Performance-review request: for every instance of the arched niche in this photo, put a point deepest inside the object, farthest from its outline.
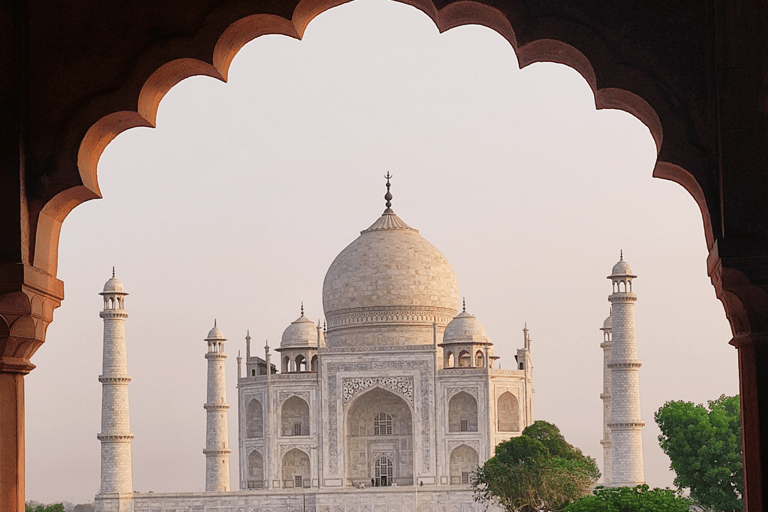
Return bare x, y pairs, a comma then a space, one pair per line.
464, 461
294, 417
379, 424
296, 469
508, 413
255, 470
462, 413
254, 419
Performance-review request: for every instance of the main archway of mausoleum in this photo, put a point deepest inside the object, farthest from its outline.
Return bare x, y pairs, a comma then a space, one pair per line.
379, 440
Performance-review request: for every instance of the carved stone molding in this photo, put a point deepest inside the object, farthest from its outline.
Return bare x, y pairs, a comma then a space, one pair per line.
424, 315
472, 443
285, 448
400, 385
501, 390
285, 395
449, 392
24, 319
250, 396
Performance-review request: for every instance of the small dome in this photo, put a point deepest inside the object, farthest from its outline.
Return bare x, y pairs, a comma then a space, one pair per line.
465, 327
215, 334
622, 267
114, 286
608, 323
300, 333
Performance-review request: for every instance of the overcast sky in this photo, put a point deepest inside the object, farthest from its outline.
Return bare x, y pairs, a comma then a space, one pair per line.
236, 204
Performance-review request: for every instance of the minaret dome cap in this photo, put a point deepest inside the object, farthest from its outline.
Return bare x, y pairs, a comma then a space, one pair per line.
215, 334
621, 268
607, 325
114, 286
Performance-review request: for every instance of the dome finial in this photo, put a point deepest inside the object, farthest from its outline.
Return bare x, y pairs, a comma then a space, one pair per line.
464, 304
621, 254
388, 195
302, 308
214, 322
113, 271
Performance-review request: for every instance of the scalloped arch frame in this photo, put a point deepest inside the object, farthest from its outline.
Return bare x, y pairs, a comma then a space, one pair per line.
160, 79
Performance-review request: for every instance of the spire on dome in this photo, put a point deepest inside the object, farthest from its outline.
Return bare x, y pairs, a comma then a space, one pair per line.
113, 271
621, 254
302, 308
464, 304
388, 195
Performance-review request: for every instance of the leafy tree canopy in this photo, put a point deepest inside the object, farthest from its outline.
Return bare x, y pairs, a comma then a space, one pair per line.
539, 470
631, 499
58, 507
704, 447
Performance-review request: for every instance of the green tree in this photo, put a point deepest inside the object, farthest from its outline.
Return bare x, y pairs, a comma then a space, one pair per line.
58, 507
704, 447
631, 499
539, 470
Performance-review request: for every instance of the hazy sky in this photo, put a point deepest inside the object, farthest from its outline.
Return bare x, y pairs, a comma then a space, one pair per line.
236, 204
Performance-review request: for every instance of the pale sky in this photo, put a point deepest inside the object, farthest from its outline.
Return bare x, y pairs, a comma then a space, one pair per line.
236, 204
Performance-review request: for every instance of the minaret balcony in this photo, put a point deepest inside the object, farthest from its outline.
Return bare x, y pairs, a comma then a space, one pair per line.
114, 379
627, 425
632, 363
114, 438
622, 297
113, 313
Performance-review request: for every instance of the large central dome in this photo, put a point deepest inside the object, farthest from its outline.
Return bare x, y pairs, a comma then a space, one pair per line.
388, 287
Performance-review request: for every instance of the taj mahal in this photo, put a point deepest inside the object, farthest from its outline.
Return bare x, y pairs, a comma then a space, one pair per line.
388, 406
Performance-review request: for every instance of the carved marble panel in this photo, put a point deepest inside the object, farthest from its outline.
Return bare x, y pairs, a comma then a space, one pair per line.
469, 390
472, 443
285, 395
288, 447
400, 385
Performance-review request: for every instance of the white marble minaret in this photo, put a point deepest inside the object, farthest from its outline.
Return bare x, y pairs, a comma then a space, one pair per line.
605, 396
116, 472
626, 424
216, 436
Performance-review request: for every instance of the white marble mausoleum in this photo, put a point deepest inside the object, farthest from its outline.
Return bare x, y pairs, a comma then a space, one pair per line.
388, 407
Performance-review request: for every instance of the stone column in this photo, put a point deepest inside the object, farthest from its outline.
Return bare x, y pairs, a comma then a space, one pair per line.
27, 300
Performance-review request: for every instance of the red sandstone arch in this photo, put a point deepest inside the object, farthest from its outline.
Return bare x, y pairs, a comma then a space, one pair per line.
227, 31
78, 81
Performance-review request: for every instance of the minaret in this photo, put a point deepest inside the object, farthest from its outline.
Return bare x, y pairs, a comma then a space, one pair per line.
216, 436
626, 425
115, 436
605, 396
